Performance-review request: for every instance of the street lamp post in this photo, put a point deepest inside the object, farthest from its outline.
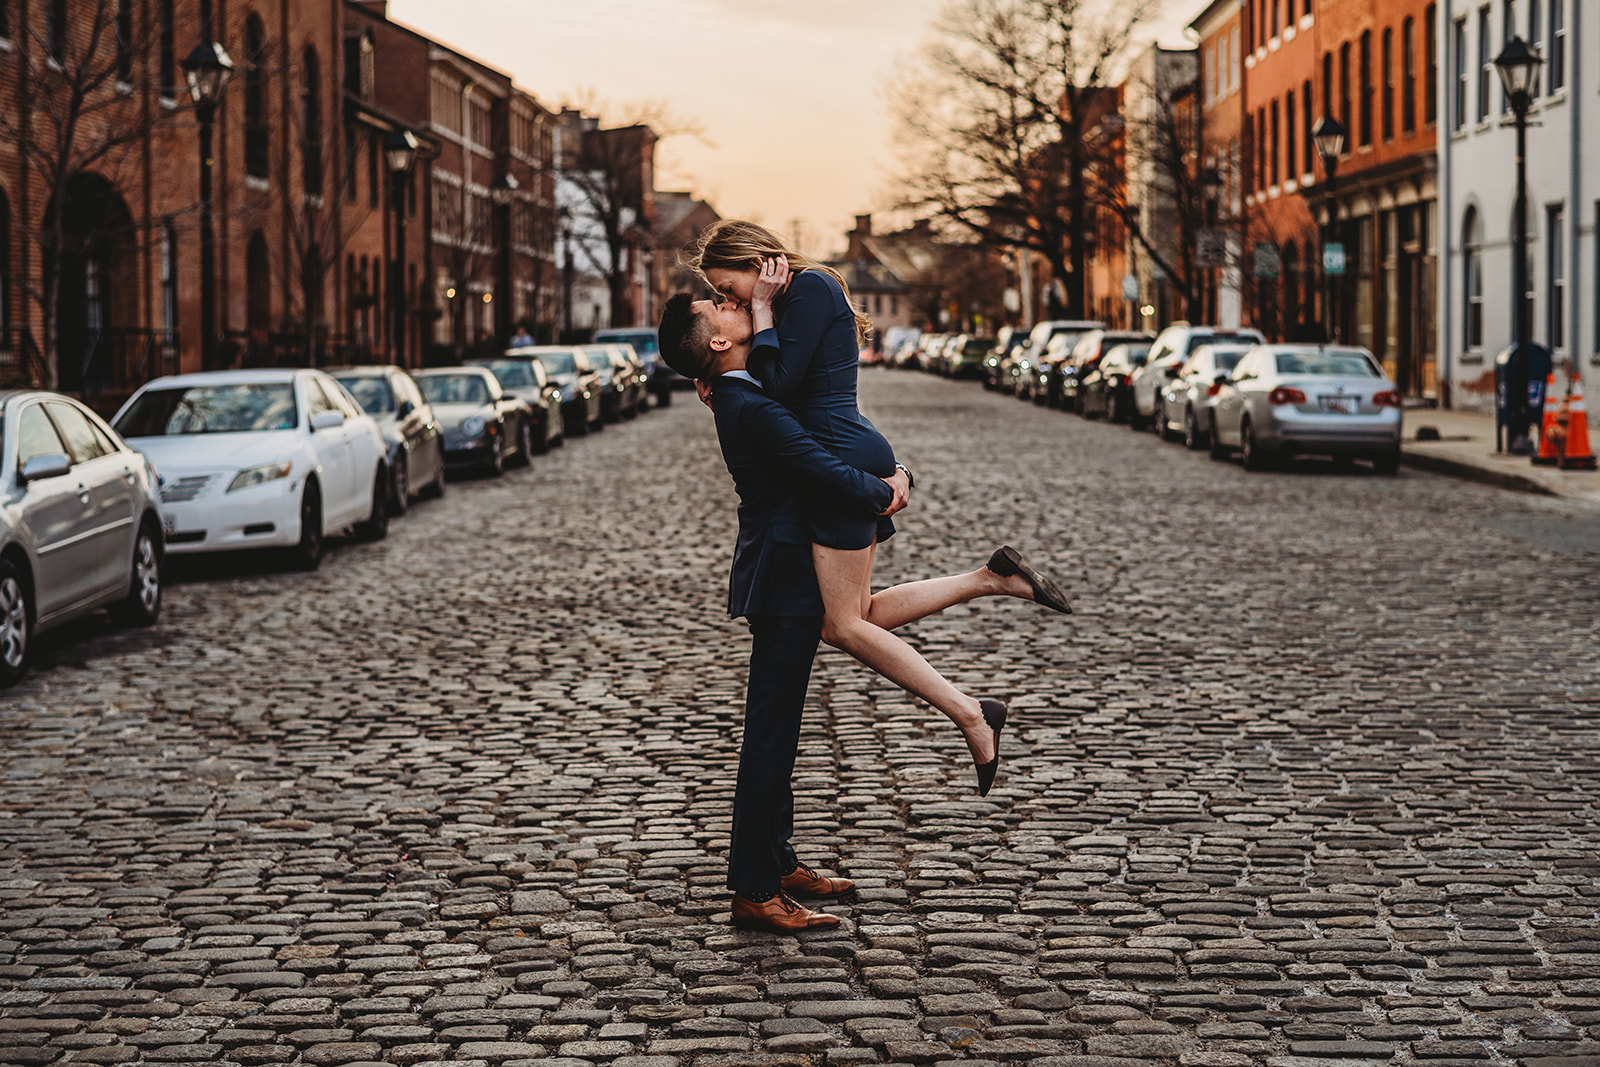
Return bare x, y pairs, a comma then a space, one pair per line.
1519, 67
1329, 137
207, 69
504, 192
566, 276
1211, 189
400, 153
1130, 216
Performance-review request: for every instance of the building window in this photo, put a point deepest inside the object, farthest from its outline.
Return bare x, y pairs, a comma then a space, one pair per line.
351, 160
5, 19
1408, 77
444, 106
1430, 89
167, 61
1275, 143
1344, 92
358, 65
1234, 59
1261, 149
256, 146
479, 127
373, 170
1485, 64
1555, 278
1208, 59
311, 118
1366, 87
1508, 30
1472, 280
1288, 135
1307, 146
1275, 13
1388, 85
169, 279
125, 42
1558, 45
56, 30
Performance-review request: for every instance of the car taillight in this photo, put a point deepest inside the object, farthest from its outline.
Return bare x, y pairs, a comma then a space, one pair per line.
1284, 395
1213, 389
1389, 398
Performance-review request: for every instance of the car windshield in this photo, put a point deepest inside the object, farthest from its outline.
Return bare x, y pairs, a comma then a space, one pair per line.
558, 363
513, 373
599, 359
1227, 359
371, 391
251, 407
453, 389
643, 343
1341, 364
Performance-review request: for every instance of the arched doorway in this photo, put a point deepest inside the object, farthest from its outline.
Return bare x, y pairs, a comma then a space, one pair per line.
97, 283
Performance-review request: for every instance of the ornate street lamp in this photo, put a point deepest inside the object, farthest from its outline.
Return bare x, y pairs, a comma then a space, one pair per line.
400, 150
1329, 137
503, 190
1519, 68
207, 69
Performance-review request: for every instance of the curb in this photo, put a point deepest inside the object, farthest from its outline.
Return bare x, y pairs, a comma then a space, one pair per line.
1472, 472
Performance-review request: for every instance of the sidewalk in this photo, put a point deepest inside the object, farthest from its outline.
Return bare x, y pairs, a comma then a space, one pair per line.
1466, 450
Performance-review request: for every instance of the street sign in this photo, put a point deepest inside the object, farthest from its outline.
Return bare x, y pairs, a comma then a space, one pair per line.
1130, 287
1211, 248
1333, 258
1264, 264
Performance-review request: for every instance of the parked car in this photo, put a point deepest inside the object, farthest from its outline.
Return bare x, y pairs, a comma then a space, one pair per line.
522, 376
635, 372
1288, 400
618, 390
260, 458
1051, 342
647, 346
1006, 343
1085, 356
569, 371
484, 426
1107, 389
1185, 406
1171, 349
970, 357
80, 525
413, 441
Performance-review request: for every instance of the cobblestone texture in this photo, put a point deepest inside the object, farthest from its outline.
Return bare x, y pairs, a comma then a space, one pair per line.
1311, 778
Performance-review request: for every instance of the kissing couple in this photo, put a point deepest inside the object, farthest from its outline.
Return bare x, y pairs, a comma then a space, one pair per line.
773, 351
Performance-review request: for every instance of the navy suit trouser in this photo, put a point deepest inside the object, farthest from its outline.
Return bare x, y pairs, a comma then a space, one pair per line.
781, 653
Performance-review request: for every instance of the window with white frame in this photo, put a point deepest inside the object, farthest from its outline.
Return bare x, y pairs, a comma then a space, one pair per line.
1485, 64
444, 103
1472, 279
479, 126
1555, 278
1460, 57
1557, 51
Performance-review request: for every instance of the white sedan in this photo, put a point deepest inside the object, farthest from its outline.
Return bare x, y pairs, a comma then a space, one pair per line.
259, 458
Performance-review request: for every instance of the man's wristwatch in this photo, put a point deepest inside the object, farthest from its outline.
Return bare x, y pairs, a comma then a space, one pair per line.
911, 479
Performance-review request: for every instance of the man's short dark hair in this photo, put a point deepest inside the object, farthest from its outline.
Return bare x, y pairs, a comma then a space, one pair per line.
685, 338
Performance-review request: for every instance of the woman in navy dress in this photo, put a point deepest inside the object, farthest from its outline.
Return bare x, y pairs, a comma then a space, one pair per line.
805, 354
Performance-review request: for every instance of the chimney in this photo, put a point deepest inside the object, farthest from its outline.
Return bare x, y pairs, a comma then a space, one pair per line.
864, 225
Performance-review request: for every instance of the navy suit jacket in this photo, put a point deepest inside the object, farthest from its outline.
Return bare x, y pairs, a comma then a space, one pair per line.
775, 464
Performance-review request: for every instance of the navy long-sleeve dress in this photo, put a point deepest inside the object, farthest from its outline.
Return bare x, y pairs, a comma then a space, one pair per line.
809, 364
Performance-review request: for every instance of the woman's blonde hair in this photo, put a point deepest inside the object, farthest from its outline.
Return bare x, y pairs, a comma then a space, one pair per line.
734, 244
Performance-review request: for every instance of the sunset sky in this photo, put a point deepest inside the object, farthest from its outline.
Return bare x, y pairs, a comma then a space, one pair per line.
789, 96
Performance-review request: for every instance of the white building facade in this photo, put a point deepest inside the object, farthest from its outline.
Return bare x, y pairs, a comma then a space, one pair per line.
1477, 183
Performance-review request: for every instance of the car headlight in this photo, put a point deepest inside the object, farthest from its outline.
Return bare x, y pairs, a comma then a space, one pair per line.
472, 426
561, 397
993, 362
253, 476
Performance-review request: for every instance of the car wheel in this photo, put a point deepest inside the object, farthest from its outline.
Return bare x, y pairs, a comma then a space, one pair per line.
1387, 463
435, 488
1191, 431
1219, 450
494, 465
1114, 412
307, 555
541, 440
400, 493
1251, 454
376, 526
524, 444
142, 606
16, 625
664, 398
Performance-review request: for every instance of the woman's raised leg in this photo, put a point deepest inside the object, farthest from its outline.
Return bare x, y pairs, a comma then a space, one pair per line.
845, 579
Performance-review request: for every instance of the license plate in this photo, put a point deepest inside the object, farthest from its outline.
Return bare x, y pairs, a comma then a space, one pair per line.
1339, 405
169, 524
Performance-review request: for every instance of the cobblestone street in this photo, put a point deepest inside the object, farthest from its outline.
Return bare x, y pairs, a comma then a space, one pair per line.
1311, 777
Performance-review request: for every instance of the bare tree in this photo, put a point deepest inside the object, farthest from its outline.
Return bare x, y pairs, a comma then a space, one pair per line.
1163, 149
76, 124
465, 218
997, 119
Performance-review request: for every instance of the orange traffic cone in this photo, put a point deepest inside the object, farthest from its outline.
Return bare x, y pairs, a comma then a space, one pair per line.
1577, 456
1551, 429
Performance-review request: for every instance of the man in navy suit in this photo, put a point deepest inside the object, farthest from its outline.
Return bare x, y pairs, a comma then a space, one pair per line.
773, 585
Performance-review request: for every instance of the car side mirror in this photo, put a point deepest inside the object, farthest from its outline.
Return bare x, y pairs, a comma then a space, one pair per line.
49, 465
406, 408
326, 420
1222, 378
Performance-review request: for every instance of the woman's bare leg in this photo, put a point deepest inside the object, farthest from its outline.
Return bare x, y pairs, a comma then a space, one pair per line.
845, 578
899, 604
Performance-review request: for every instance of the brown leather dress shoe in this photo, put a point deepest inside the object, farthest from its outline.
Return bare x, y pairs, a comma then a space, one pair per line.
804, 882
780, 915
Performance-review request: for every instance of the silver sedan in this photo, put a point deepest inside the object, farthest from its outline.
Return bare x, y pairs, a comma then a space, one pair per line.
80, 526
1184, 404
1286, 400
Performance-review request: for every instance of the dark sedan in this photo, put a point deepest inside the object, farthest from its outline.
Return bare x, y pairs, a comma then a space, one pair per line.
411, 434
482, 423
1087, 351
1106, 390
524, 378
569, 371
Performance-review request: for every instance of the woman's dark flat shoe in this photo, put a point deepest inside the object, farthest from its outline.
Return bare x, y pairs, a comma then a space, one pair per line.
994, 713
1007, 561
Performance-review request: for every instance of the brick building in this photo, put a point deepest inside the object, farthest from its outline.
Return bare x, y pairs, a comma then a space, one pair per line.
1219, 29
